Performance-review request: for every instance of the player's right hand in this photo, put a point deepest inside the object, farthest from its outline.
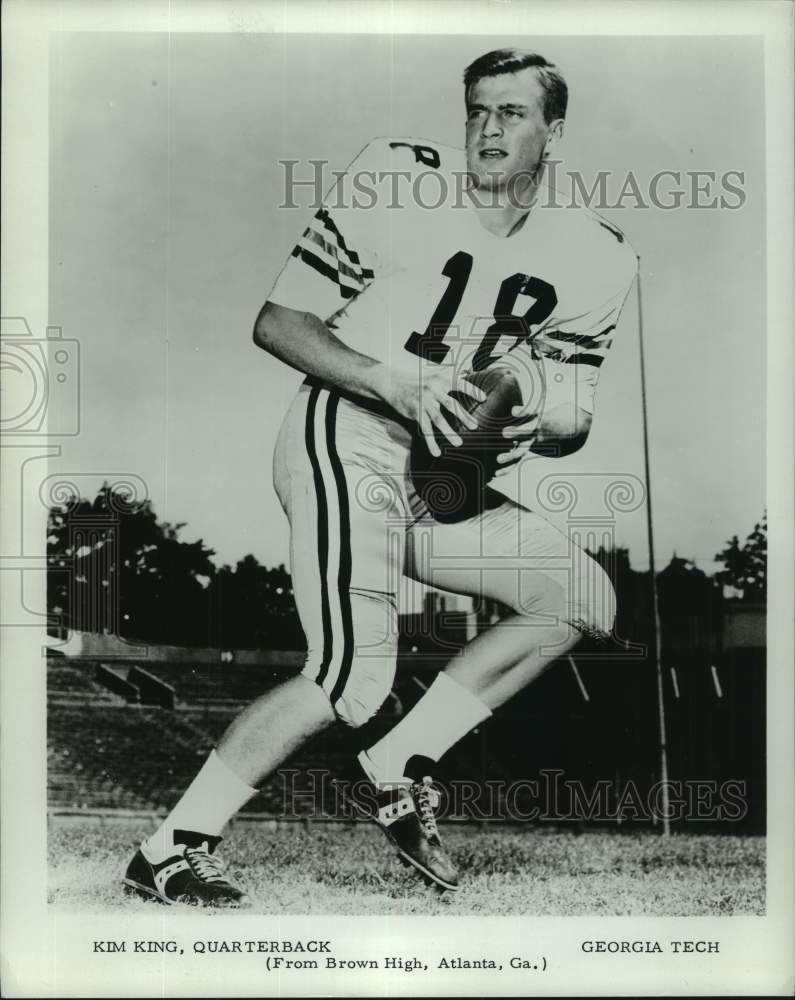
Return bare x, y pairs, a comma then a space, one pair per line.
427, 400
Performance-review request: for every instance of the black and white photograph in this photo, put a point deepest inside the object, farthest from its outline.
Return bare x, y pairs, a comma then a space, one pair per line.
392, 428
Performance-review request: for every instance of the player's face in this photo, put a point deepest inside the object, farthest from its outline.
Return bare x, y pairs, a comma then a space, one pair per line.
506, 133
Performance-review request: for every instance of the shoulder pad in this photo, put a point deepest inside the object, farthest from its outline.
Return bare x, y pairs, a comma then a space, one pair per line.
410, 154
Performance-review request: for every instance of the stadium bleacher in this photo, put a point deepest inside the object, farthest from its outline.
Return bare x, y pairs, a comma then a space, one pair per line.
104, 753
590, 721
74, 681
228, 683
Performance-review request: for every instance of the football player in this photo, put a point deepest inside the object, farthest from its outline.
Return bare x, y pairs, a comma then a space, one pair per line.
406, 279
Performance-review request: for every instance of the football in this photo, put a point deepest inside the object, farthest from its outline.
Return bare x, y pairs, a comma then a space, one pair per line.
453, 484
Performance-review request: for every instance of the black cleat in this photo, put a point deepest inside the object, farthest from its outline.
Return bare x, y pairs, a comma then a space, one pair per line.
192, 875
405, 812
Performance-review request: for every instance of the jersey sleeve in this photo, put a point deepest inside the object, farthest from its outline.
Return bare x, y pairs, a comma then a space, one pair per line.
343, 248
575, 349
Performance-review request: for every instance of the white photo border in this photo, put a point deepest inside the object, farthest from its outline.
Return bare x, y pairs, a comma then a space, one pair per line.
45, 952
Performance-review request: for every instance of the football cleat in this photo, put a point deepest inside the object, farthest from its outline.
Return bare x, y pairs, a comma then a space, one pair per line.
193, 875
405, 811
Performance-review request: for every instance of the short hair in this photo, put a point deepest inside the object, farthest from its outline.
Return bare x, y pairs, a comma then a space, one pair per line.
556, 93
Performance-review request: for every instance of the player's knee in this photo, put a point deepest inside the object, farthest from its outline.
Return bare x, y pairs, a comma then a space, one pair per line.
541, 598
364, 695
354, 714
592, 610
357, 692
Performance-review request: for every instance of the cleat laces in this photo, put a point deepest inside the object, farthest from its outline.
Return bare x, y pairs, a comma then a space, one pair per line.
427, 800
203, 865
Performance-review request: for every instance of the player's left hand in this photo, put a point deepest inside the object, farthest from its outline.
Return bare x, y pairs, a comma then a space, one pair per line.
521, 435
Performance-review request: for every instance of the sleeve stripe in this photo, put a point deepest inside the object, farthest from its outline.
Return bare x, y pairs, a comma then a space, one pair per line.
359, 274
326, 270
323, 216
595, 360
581, 340
352, 256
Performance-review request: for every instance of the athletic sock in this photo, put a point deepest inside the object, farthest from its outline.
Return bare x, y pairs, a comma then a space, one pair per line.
211, 800
445, 713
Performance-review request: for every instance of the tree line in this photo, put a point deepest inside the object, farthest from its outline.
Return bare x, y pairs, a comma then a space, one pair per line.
115, 567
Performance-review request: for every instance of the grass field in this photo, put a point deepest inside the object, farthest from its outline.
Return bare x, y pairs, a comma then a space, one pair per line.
350, 869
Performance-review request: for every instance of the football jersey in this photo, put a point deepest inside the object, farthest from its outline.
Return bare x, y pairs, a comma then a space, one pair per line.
398, 264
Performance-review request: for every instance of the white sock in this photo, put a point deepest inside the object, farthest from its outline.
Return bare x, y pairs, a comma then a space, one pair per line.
445, 713
211, 800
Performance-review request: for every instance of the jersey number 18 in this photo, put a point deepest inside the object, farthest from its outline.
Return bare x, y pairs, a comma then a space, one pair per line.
430, 344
